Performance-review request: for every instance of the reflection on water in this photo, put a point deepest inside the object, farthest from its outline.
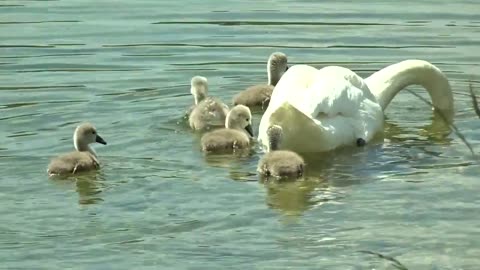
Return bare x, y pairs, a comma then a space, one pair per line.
240, 174
89, 190
436, 131
293, 198
88, 185
228, 160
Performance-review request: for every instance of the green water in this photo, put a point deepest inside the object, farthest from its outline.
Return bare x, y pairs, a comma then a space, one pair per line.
158, 203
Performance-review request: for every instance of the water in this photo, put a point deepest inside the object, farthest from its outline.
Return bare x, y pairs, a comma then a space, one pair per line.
158, 203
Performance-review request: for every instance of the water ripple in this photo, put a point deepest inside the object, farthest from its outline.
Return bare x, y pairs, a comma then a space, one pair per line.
270, 46
126, 66
302, 23
38, 22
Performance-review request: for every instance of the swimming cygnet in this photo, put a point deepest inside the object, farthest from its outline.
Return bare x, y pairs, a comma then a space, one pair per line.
207, 112
259, 95
280, 163
235, 135
84, 158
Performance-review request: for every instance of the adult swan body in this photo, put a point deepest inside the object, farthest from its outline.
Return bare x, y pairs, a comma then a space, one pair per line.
322, 109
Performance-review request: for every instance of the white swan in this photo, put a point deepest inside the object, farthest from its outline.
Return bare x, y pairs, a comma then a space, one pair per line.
320, 110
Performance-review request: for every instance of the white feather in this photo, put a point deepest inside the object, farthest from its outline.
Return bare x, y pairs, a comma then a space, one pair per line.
320, 110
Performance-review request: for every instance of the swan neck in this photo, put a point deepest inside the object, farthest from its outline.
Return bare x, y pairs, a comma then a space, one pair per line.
198, 99
82, 147
198, 95
273, 74
274, 138
273, 144
386, 83
229, 122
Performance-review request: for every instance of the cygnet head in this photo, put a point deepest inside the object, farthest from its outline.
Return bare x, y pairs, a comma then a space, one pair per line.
199, 88
276, 66
274, 133
240, 117
84, 135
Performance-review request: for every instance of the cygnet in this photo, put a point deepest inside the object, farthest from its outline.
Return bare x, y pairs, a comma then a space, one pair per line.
207, 112
259, 95
280, 163
235, 136
81, 160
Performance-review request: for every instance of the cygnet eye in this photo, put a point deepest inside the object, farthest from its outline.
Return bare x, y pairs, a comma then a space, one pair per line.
248, 119
93, 132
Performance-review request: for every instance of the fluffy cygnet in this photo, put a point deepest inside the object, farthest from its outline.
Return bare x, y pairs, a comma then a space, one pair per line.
208, 112
280, 163
84, 158
259, 95
235, 135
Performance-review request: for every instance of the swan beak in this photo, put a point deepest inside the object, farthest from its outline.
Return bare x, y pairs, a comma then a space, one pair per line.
100, 140
249, 129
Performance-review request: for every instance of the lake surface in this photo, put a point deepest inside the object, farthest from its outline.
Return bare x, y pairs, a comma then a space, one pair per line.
158, 203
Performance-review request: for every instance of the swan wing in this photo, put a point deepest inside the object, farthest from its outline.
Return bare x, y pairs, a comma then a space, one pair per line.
330, 92
320, 110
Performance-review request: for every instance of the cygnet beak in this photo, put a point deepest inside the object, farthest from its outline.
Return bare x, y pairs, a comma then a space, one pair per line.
249, 129
100, 140
286, 68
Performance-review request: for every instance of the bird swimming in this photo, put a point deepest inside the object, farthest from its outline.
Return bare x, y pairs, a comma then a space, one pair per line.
259, 95
84, 158
207, 112
235, 136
